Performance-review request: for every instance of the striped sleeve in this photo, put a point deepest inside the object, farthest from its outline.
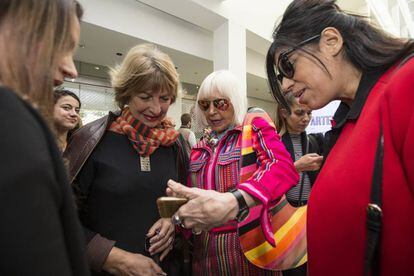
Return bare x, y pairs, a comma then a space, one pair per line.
276, 173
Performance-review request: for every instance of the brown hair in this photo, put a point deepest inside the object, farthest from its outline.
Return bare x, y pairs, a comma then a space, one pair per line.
185, 119
33, 35
144, 68
280, 121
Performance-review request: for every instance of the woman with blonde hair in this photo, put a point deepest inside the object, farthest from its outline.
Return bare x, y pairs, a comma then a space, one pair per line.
40, 233
119, 166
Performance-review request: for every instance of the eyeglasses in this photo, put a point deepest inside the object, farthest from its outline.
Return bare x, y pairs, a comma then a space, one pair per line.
284, 65
220, 104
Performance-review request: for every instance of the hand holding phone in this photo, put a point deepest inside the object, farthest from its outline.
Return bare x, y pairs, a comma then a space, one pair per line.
168, 205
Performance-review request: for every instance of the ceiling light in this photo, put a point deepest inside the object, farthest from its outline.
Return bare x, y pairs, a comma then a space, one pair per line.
97, 68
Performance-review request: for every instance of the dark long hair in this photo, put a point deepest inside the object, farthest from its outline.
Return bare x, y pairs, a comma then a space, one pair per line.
366, 47
59, 93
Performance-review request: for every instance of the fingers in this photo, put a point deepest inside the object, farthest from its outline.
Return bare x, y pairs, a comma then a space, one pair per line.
164, 237
156, 268
165, 252
180, 190
162, 246
153, 230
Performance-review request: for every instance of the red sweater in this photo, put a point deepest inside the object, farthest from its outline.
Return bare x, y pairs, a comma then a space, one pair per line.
336, 210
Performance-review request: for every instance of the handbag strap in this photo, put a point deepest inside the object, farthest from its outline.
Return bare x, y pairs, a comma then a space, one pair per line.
374, 214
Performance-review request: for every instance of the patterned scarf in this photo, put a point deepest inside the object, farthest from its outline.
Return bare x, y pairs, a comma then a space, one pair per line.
144, 139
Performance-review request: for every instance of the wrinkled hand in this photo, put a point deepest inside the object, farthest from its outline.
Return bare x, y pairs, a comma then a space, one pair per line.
205, 209
309, 162
161, 236
121, 262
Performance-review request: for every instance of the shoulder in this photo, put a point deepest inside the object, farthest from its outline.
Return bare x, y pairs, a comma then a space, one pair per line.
19, 121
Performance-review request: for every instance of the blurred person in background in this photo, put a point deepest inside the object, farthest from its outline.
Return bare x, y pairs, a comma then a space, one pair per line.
119, 165
306, 152
65, 115
364, 192
185, 130
40, 233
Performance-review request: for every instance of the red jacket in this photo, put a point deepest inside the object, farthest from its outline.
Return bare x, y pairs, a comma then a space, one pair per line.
337, 205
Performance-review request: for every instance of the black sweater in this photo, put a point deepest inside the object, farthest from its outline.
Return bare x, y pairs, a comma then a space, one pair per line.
116, 199
39, 233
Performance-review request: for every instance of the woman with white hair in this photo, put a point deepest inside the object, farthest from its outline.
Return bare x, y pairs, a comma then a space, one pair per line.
218, 201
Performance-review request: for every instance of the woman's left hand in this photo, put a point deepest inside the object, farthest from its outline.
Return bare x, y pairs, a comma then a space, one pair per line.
161, 236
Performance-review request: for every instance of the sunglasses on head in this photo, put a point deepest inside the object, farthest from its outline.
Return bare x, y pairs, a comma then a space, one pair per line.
284, 65
220, 104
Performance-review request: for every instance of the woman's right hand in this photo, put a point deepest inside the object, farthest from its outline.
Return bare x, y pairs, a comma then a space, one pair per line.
121, 262
309, 162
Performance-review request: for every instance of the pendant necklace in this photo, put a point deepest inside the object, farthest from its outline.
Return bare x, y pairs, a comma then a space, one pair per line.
145, 163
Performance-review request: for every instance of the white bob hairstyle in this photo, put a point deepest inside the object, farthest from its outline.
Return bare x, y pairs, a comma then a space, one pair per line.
227, 85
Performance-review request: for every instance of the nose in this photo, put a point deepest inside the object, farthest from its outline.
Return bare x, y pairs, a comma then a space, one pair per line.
73, 113
211, 109
68, 68
155, 106
287, 84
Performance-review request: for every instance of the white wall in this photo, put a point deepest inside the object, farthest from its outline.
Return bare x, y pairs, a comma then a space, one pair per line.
138, 20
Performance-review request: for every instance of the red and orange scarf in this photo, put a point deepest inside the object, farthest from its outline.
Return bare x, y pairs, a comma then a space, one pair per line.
144, 139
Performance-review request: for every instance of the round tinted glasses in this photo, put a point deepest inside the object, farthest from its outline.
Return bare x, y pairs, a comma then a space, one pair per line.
220, 104
284, 65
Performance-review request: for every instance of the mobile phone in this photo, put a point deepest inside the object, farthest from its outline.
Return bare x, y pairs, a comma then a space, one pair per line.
168, 205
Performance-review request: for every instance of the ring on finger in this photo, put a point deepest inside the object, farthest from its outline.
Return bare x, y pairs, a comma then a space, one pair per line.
176, 220
196, 232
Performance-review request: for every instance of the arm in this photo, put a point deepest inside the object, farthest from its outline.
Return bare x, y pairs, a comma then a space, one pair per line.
98, 247
276, 173
34, 226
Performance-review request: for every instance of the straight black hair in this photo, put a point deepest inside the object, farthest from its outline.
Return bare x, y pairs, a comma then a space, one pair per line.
367, 47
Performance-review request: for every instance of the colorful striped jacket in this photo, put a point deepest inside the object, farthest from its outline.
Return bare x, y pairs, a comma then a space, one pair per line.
219, 169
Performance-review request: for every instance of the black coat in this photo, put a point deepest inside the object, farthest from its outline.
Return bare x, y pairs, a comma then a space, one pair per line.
316, 142
40, 233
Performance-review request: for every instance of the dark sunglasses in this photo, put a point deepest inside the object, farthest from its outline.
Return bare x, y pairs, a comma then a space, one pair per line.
220, 104
284, 65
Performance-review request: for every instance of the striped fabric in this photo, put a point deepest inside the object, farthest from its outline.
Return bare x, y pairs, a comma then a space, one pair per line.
293, 195
288, 223
218, 251
143, 138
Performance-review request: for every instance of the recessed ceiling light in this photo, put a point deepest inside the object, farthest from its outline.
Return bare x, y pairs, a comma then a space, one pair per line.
119, 54
97, 68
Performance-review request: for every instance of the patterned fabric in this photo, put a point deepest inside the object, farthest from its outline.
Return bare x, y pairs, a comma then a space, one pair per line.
144, 139
273, 236
218, 251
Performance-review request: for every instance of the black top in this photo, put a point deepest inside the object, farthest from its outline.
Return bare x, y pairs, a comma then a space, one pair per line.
117, 199
311, 143
39, 233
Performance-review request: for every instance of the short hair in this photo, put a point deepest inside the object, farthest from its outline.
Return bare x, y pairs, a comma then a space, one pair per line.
144, 68
228, 86
185, 119
59, 93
